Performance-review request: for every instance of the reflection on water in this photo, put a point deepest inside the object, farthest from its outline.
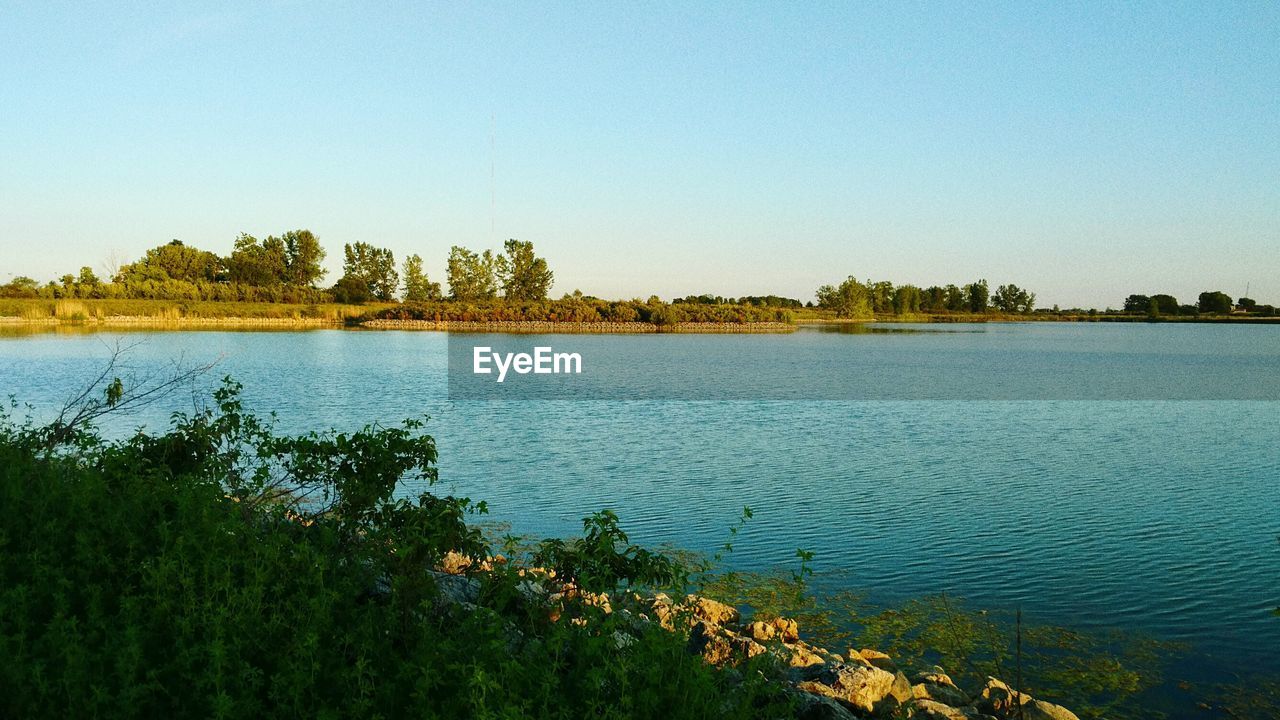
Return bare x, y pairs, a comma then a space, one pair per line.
877, 328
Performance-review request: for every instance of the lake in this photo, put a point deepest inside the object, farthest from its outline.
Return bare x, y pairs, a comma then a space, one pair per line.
1157, 512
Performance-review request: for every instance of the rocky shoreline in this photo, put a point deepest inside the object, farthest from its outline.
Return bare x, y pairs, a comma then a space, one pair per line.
826, 685
598, 328
175, 322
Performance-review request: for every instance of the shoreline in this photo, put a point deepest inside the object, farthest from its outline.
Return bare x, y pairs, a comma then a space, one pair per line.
833, 684
174, 320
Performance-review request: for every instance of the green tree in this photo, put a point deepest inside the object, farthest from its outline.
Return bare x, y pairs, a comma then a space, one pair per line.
374, 267
881, 296
257, 264
472, 276
20, 287
174, 261
523, 275
976, 295
957, 301
907, 299
1166, 304
351, 290
851, 299
1215, 301
934, 299
303, 256
417, 287
1137, 303
1013, 299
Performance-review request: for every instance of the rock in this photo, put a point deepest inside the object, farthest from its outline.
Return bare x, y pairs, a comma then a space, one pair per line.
935, 676
454, 563
945, 694
899, 695
622, 641
816, 688
1041, 710
663, 610
719, 646
457, 589
879, 659
762, 631
901, 690
712, 611
816, 706
532, 592
829, 656
925, 709
861, 686
787, 629
1000, 700
801, 655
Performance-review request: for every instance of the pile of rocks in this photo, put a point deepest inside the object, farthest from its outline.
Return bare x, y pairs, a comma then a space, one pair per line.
828, 685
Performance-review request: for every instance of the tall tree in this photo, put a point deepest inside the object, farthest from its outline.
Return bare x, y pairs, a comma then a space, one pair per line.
977, 294
303, 256
524, 276
472, 276
374, 267
417, 286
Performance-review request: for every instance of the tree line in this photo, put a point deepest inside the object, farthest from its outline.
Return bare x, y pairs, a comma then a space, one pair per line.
288, 268
855, 298
773, 301
1210, 302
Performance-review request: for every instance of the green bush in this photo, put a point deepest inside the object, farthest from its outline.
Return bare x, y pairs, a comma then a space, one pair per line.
222, 570
579, 309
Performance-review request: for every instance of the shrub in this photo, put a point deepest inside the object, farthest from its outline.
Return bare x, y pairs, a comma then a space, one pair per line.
222, 570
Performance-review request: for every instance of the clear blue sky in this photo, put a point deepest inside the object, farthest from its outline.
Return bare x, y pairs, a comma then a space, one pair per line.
1085, 150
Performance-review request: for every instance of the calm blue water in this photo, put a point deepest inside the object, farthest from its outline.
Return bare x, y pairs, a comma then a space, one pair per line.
1152, 514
